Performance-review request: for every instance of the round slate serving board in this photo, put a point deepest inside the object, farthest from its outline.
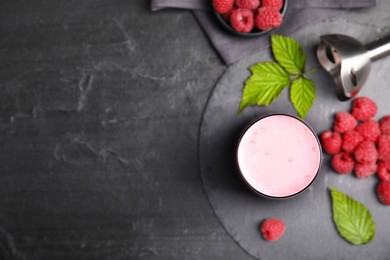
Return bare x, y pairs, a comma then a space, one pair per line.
310, 232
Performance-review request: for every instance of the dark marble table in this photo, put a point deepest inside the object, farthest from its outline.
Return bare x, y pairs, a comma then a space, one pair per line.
100, 108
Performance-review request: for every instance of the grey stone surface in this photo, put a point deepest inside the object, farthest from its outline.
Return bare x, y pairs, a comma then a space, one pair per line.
100, 108
99, 112
310, 232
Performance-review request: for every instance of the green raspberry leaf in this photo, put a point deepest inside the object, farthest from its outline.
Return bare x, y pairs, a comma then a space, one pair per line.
289, 54
352, 219
264, 86
302, 95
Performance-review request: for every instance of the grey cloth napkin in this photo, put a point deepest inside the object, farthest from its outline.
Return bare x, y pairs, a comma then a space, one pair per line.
233, 48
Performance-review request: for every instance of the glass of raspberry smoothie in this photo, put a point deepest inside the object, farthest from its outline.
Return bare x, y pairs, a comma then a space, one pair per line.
278, 156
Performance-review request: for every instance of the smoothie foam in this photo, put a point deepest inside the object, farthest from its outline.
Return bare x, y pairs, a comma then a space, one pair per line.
278, 156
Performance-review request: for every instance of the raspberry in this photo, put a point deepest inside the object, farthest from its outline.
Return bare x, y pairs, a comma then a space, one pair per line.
267, 18
384, 148
343, 163
350, 140
365, 170
278, 4
364, 108
384, 171
344, 122
242, 20
331, 142
272, 229
226, 16
383, 192
369, 130
223, 6
248, 4
384, 125
383, 139
366, 152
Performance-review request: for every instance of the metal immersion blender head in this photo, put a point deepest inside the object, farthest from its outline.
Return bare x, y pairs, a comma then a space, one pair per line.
349, 61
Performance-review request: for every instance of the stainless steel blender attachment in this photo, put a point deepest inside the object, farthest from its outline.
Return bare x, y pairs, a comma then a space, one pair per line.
349, 61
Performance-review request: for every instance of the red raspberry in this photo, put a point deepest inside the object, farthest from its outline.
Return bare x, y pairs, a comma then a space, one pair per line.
272, 229
278, 4
331, 142
267, 18
242, 20
226, 16
343, 163
369, 130
384, 148
223, 6
364, 108
383, 192
350, 140
383, 139
384, 171
365, 170
384, 125
366, 152
248, 4
344, 122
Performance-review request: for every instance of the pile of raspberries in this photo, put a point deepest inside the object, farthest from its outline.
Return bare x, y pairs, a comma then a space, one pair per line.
361, 145
247, 15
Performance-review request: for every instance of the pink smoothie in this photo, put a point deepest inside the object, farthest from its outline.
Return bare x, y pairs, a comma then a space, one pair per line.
278, 156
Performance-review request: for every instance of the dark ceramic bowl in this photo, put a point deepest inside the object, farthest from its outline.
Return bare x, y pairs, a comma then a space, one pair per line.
254, 32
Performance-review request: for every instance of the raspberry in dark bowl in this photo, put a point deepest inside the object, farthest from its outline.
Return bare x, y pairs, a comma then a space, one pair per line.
248, 18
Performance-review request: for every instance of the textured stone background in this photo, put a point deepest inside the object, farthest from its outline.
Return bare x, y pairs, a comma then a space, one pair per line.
100, 108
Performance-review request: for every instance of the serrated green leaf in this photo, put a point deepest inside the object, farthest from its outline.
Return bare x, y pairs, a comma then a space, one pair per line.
352, 219
289, 54
302, 95
264, 86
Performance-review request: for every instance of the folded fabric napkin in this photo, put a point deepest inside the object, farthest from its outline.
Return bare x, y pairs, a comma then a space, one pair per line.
233, 48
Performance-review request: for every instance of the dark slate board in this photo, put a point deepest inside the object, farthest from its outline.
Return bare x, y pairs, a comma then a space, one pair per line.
310, 231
